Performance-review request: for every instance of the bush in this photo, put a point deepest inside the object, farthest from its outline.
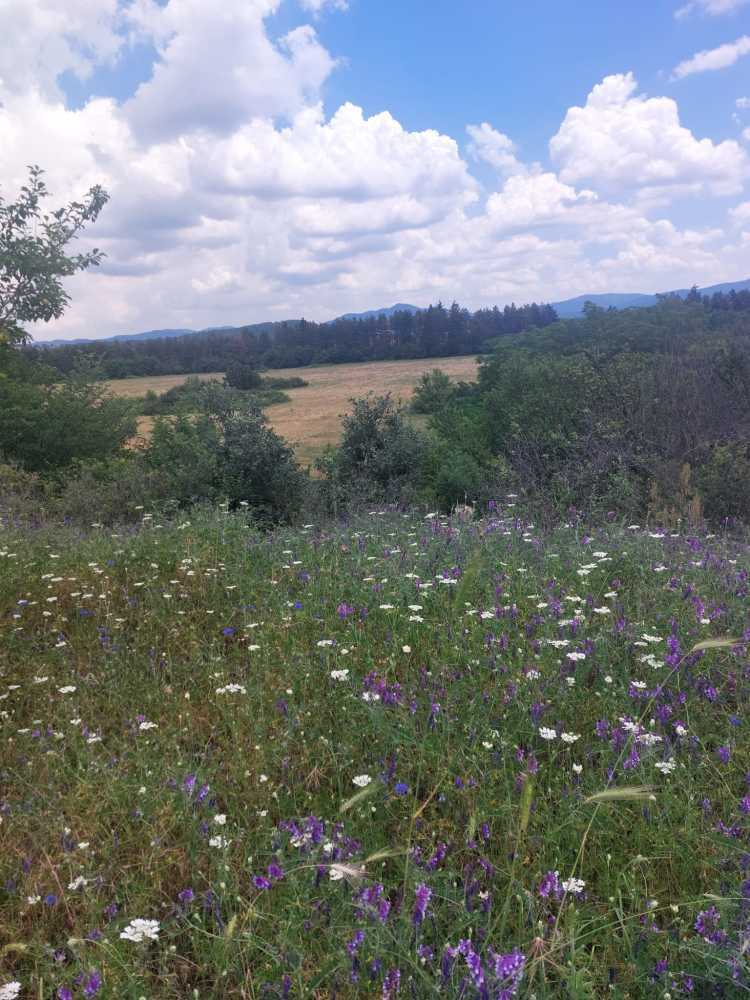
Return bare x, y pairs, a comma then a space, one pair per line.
724, 483
47, 427
432, 392
381, 456
258, 467
242, 376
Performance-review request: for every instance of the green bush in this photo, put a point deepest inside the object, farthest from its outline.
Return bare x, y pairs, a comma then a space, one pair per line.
381, 456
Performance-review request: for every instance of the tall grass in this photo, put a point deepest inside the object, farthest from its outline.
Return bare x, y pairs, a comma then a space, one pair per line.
403, 756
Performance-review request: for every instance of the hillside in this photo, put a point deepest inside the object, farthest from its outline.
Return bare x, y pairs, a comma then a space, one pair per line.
572, 308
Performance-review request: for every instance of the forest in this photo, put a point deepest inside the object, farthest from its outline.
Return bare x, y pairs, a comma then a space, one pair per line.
430, 333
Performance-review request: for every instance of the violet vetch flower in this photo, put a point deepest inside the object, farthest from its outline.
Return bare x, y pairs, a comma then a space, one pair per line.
423, 894
391, 984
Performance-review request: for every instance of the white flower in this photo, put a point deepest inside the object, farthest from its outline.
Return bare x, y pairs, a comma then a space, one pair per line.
362, 780
141, 930
219, 841
340, 675
574, 885
147, 725
68, 689
602, 611
386, 607
77, 883
325, 642
666, 766
570, 737
608, 679
220, 819
547, 734
575, 656
651, 638
577, 768
232, 689
10, 990
406, 649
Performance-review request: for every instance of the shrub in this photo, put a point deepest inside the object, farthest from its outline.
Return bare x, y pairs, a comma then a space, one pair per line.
381, 456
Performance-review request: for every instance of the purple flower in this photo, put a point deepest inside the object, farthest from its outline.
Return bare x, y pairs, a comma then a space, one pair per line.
355, 942
550, 886
261, 882
707, 924
92, 984
401, 788
723, 753
391, 984
65, 993
186, 896
423, 894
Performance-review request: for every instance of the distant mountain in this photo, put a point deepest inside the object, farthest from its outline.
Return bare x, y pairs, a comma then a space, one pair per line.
387, 311
570, 308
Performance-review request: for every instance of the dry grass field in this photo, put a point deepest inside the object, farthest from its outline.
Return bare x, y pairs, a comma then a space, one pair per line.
312, 417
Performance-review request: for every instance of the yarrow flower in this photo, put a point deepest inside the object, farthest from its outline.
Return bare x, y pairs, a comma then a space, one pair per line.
574, 886
141, 930
547, 734
362, 780
10, 990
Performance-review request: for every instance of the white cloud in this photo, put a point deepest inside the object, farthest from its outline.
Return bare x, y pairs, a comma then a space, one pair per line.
712, 7
743, 103
245, 201
746, 134
712, 59
493, 147
535, 199
620, 140
246, 74
316, 6
44, 38
740, 214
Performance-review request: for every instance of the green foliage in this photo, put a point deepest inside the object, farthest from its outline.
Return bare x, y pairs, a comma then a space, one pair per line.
724, 482
380, 457
45, 427
258, 468
242, 376
33, 257
432, 392
183, 459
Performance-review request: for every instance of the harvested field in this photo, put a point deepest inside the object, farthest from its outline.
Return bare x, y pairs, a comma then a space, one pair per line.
311, 419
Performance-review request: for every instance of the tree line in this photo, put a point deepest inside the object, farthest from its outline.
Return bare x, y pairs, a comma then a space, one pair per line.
433, 332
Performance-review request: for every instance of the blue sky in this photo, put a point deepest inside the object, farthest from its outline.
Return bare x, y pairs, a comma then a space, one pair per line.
275, 158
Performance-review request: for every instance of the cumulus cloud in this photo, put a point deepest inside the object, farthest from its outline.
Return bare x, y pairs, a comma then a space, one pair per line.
712, 59
621, 140
247, 75
743, 103
711, 7
46, 38
493, 147
244, 200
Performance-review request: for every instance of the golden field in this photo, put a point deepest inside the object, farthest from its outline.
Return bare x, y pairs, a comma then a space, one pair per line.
311, 419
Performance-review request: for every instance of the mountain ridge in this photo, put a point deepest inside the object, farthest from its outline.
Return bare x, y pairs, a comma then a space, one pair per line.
566, 309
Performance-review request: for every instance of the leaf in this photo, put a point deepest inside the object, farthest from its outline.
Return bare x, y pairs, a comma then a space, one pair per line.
624, 794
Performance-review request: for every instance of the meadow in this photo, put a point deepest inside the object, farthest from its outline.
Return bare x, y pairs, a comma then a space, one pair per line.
400, 756
311, 420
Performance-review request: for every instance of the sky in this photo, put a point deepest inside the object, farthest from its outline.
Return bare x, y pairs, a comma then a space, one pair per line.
271, 159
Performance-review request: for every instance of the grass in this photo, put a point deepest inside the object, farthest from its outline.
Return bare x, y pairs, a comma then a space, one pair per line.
311, 419
347, 761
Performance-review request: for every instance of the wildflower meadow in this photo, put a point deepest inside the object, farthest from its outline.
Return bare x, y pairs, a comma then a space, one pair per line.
401, 756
